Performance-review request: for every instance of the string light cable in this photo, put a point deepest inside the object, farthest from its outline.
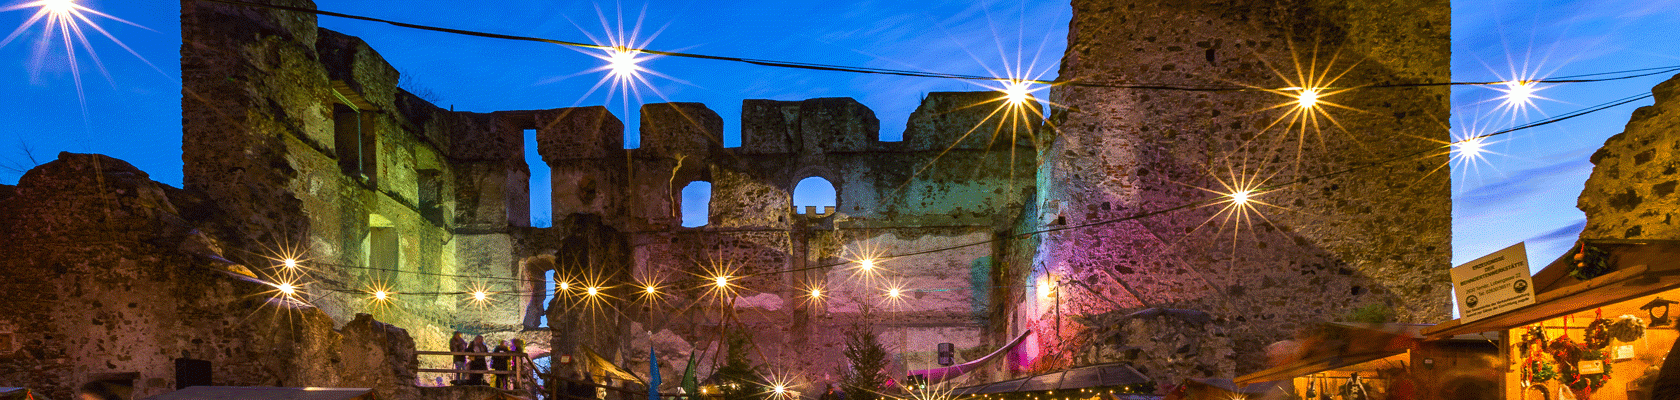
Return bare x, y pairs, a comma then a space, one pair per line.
1131, 217
341, 287
1583, 78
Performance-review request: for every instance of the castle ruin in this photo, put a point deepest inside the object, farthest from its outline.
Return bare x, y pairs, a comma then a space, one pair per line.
298, 142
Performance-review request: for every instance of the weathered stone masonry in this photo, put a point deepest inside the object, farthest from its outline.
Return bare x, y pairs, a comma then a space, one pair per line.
298, 139
1377, 236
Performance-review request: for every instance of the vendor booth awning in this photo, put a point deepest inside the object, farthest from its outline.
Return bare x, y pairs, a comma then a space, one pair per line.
266, 393
1349, 344
1103, 375
1641, 268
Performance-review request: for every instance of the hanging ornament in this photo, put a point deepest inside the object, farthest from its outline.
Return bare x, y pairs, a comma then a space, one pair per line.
1598, 334
1627, 328
1355, 389
1651, 310
1590, 262
1533, 340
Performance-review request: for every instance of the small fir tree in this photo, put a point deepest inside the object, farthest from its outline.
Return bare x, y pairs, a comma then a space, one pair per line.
738, 377
867, 358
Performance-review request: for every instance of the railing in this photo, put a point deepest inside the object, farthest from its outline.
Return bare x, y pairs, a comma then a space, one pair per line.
520, 368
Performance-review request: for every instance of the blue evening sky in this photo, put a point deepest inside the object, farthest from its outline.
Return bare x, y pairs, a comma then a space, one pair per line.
1525, 192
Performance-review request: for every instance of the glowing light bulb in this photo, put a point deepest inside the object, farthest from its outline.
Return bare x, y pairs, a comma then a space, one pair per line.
1241, 198
58, 6
565, 286
867, 264
623, 62
779, 389
1520, 92
1308, 97
1471, 147
892, 292
289, 263
652, 290
379, 295
287, 288
1016, 92
816, 292
594, 290
480, 296
723, 281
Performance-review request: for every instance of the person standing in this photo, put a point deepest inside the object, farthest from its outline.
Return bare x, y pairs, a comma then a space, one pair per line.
458, 344
517, 347
476, 362
499, 363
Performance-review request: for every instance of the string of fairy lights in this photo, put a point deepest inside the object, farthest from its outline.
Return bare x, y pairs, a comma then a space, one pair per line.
625, 62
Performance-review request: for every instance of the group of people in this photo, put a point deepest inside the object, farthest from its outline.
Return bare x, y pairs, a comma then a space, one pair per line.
459, 344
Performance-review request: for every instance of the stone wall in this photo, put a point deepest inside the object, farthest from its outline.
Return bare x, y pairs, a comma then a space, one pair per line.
1631, 193
892, 198
1377, 236
106, 279
305, 128
302, 138
297, 140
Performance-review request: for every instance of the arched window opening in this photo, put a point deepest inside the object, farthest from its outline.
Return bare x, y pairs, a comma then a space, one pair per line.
696, 204
542, 213
548, 297
814, 196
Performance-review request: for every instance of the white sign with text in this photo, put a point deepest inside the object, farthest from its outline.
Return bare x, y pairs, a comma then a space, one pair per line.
1493, 284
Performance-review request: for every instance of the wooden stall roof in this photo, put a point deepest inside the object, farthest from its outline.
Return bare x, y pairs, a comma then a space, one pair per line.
266, 393
1102, 375
1642, 267
1378, 341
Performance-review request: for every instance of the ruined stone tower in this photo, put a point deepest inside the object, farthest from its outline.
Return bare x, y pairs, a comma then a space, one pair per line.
1375, 238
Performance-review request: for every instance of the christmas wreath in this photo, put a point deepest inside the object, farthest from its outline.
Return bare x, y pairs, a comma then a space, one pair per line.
1598, 334
1569, 356
1579, 382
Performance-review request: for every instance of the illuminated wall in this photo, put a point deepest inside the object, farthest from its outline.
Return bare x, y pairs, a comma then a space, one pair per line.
1376, 237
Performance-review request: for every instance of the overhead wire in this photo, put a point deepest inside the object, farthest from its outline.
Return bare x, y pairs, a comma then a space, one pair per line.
928, 74
1580, 78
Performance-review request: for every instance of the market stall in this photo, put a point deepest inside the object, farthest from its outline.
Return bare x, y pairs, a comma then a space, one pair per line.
1598, 328
1376, 361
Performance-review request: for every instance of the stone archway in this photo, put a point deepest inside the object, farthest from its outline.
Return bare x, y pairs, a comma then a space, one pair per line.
536, 287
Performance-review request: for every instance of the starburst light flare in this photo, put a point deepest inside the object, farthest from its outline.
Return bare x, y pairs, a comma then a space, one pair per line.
1016, 93
1238, 199
779, 386
1309, 106
622, 59
1308, 97
722, 279
68, 22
